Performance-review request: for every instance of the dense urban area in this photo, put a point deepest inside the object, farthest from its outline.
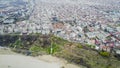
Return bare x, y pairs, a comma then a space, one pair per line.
91, 22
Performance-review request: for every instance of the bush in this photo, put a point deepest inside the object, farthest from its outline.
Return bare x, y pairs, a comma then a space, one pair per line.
35, 49
105, 54
16, 44
91, 46
55, 48
80, 46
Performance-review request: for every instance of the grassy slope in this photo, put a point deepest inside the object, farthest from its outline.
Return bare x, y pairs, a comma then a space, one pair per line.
73, 52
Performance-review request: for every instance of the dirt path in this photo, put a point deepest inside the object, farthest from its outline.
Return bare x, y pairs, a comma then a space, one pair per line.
61, 62
19, 61
9, 59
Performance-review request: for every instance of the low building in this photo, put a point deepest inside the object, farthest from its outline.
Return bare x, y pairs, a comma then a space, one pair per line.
118, 29
8, 21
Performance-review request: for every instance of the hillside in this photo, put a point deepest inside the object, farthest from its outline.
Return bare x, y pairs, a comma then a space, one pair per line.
77, 53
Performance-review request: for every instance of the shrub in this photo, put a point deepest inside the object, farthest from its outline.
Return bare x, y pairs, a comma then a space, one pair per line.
91, 46
55, 48
16, 44
35, 48
105, 54
80, 46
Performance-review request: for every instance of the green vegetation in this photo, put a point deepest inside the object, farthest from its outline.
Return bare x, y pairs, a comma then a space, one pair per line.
55, 47
80, 54
108, 38
91, 46
105, 54
35, 48
17, 44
